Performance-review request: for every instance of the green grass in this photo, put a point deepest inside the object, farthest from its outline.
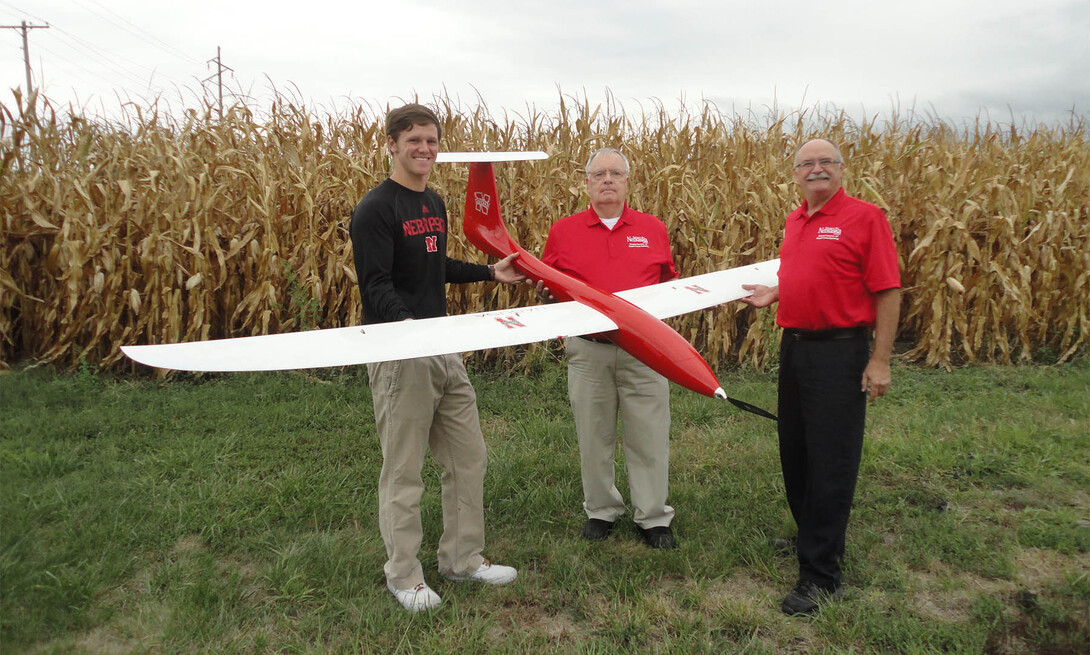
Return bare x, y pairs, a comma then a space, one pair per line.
237, 514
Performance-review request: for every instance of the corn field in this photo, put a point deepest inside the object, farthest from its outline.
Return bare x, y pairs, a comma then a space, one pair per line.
160, 228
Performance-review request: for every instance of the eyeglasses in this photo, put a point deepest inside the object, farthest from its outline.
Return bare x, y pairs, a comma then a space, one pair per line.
824, 163
601, 175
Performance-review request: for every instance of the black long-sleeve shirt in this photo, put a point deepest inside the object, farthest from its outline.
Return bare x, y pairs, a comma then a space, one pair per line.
399, 244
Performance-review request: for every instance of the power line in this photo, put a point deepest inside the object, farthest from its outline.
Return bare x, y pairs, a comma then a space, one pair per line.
24, 27
23, 12
89, 71
139, 32
165, 46
113, 61
87, 60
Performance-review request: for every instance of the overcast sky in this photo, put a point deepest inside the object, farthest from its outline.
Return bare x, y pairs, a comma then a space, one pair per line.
954, 59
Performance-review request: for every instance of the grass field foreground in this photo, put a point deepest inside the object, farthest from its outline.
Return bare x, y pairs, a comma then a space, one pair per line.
237, 514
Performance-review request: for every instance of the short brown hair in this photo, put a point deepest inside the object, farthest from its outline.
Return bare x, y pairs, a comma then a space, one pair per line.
403, 118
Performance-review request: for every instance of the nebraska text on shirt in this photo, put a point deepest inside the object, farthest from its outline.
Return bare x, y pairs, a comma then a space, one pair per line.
423, 225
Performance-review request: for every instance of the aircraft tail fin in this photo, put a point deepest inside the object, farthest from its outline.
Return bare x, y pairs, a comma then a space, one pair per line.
482, 222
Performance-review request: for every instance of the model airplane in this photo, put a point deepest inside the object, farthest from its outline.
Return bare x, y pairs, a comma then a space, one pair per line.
632, 319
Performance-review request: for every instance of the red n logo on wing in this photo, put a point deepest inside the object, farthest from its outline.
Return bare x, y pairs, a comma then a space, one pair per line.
509, 322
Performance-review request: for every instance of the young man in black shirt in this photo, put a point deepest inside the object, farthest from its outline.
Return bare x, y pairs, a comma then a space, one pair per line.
399, 241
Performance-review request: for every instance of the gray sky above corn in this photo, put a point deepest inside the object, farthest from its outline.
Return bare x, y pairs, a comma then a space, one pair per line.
955, 60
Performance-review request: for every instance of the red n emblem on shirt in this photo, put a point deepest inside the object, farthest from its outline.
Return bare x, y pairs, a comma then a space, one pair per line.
431, 244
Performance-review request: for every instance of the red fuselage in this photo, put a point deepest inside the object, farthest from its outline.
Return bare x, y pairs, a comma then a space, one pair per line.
642, 335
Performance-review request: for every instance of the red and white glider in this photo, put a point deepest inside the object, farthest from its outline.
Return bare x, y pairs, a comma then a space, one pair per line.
632, 319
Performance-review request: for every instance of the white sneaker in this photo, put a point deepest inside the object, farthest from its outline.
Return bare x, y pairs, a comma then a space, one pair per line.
420, 597
489, 573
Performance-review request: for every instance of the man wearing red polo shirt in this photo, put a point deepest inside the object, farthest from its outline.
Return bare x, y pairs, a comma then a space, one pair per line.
615, 248
838, 282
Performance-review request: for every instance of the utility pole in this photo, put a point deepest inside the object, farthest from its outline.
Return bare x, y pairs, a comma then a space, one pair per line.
219, 77
26, 47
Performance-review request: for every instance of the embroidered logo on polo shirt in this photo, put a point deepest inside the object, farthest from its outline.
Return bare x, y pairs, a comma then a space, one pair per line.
829, 233
638, 242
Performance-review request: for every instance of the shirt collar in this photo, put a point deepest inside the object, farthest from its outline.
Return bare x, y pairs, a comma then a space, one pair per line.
830, 207
594, 219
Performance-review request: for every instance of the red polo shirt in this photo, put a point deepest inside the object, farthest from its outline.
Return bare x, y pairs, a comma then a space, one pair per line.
635, 253
832, 264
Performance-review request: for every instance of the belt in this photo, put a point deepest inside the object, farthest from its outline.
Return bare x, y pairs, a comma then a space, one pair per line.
597, 340
827, 335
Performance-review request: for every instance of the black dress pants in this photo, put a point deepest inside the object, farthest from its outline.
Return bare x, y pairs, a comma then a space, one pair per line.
821, 417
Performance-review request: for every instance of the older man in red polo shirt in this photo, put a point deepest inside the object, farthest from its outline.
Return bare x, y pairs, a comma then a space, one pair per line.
616, 248
838, 282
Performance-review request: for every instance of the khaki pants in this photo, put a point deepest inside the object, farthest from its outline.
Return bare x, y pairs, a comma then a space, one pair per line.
604, 381
421, 404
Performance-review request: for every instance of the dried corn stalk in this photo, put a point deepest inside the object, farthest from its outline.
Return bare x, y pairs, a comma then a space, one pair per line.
168, 229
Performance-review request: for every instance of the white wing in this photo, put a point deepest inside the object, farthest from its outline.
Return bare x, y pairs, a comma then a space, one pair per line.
448, 334
377, 343
701, 291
